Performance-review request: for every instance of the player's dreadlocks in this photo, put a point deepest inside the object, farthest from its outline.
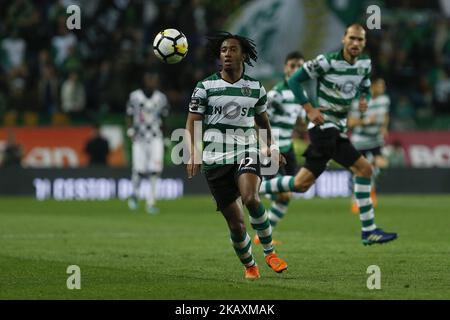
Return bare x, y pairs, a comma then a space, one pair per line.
248, 45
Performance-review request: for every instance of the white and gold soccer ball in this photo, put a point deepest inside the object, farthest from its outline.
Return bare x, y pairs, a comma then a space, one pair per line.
170, 46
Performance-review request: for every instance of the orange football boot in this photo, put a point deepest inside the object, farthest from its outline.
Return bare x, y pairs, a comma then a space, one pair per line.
256, 241
277, 264
252, 272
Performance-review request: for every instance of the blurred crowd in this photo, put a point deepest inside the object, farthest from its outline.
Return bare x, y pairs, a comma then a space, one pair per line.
50, 71
412, 53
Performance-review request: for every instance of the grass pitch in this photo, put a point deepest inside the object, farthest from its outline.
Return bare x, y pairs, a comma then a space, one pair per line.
185, 253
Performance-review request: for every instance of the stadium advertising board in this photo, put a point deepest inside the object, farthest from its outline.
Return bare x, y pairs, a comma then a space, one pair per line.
91, 188
92, 183
114, 183
424, 149
63, 147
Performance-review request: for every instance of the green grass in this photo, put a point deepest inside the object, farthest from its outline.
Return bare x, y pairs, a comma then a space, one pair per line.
184, 252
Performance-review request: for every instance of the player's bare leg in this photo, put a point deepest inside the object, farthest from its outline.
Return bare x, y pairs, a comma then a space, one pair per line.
381, 162
248, 184
304, 179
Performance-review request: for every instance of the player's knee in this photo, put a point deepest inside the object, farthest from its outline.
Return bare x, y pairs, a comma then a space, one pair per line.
366, 171
251, 201
302, 186
237, 227
381, 162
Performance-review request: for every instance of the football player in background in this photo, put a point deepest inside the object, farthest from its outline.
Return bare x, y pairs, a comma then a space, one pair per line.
342, 76
370, 129
145, 109
227, 103
285, 115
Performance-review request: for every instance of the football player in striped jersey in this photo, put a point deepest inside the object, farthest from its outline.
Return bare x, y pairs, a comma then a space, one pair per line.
285, 115
342, 76
229, 104
369, 131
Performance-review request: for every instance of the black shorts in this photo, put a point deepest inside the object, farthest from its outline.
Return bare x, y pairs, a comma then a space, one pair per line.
325, 145
222, 181
374, 152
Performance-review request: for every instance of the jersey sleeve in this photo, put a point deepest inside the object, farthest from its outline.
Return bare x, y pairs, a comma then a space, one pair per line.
261, 105
274, 96
295, 84
274, 99
364, 87
317, 67
199, 99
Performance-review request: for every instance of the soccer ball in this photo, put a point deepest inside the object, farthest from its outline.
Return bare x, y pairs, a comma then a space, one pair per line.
170, 46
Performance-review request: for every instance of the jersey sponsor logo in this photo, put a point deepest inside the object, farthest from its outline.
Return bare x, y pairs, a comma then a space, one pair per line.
348, 87
231, 110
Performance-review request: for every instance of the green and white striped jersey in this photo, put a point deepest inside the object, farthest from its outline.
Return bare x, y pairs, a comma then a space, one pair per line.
338, 84
283, 110
370, 136
228, 107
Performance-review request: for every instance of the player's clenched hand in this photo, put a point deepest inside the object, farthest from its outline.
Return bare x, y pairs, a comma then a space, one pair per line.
315, 116
192, 169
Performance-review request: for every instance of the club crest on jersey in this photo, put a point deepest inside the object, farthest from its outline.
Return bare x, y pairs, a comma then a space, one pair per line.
360, 71
246, 91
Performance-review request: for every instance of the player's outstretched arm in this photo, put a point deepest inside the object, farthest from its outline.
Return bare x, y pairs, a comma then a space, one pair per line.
294, 82
295, 85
